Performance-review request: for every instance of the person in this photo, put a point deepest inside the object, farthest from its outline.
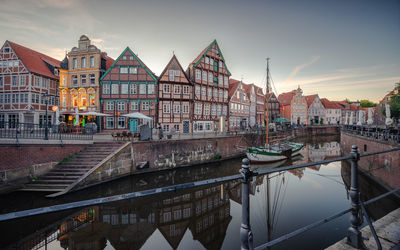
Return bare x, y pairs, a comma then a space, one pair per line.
160, 132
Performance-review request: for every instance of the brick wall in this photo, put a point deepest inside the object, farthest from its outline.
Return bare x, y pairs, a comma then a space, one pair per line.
13, 157
383, 167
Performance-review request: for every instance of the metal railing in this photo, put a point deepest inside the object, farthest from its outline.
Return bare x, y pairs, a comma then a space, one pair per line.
13, 130
357, 207
391, 134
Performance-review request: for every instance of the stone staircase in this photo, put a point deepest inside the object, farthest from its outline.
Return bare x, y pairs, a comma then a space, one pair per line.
65, 174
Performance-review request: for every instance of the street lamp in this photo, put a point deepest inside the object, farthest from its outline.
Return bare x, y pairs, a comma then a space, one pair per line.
46, 129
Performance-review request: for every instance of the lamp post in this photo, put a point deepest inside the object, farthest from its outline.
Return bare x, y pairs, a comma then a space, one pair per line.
46, 129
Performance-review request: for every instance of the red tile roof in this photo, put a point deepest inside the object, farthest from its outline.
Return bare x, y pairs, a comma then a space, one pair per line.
286, 98
233, 83
109, 60
247, 89
330, 105
338, 104
202, 52
310, 99
35, 61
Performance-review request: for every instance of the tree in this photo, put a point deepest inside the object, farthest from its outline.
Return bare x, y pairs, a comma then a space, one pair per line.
348, 101
367, 104
321, 121
395, 106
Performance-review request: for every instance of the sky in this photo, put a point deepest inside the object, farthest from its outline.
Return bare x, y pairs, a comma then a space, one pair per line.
337, 49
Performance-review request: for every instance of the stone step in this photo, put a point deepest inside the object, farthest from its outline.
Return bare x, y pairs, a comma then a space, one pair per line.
33, 189
40, 185
47, 182
66, 173
79, 163
59, 177
75, 170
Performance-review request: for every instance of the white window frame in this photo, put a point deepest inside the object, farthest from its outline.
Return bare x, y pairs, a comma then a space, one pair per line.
142, 89
171, 75
114, 89
123, 120
123, 69
150, 89
198, 74
132, 89
177, 89
110, 105
166, 89
145, 105
110, 121
166, 108
185, 90
133, 70
124, 88
120, 105
92, 61
134, 105
177, 108
210, 77
106, 88
185, 108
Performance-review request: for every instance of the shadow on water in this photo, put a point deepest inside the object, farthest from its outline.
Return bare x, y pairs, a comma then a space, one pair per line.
202, 217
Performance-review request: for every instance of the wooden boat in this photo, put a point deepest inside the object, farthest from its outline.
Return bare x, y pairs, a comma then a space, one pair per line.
274, 152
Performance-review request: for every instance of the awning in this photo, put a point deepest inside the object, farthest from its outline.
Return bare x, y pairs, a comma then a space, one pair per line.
138, 116
86, 113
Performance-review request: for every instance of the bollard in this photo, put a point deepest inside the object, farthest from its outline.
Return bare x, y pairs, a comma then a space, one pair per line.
246, 235
353, 234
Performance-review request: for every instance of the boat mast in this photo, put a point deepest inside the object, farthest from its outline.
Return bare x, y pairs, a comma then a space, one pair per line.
267, 90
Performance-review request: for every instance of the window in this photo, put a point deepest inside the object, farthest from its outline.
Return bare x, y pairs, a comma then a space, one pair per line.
207, 60
166, 88
211, 61
209, 92
207, 109
226, 82
123, 70
166, 108
1, 81
226, 94
197, 90
110, 122
121, 105
171, 75
210, 77
106, 88
92, 79
134, 105
74, 63
131, 58
220, 80
22, 80
177, 89
121, 122
145, 105
205, 76
142, 89
213, 109
83, 80
198, 108
220, 64
6, 50
176, 127
150, 89
219, 110
203, 91
83, 62
133, 70
215, 93
221, 93
185, 90
185, 108
132, 89
114, 89
92, 61
225, 110
177, 108
109, 105
124, 88
14, 80
37, 81
198, 74
166, 129
74, 80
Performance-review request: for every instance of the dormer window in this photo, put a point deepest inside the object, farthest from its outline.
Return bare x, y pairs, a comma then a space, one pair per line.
56, 72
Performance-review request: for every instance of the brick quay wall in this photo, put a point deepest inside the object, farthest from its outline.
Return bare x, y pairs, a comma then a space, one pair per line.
383, 168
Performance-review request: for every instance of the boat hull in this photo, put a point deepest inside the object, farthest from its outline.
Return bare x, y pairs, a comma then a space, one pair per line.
261, 158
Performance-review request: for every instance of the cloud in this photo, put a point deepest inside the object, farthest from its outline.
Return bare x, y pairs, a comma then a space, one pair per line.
298, 68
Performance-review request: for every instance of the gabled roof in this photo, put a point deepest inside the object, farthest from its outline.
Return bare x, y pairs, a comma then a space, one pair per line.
258, 89
137, 58
286, 98
109, 60
310, 99
233, 84
204, 53
330, 105
268, 96
34, 61
174, 59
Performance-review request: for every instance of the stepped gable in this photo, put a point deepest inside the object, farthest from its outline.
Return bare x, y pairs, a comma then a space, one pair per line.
36, 62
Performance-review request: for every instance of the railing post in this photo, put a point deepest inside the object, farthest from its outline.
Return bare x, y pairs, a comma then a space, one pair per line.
353, 234
246, 235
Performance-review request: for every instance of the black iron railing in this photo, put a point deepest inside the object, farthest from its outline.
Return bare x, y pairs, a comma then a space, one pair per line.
391, 134
14, 130
357, 207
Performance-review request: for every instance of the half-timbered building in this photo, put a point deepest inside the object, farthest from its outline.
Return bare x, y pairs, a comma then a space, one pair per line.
175, 96
210, 76
239, 105
272, 106
260, 106
28, 79
128, 86
251, 95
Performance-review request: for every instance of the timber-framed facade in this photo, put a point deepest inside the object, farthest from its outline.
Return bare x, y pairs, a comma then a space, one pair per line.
128, 86
210, 76
175, 96
27, 80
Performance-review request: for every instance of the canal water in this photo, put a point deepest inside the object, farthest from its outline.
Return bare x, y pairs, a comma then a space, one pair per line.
206, 217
